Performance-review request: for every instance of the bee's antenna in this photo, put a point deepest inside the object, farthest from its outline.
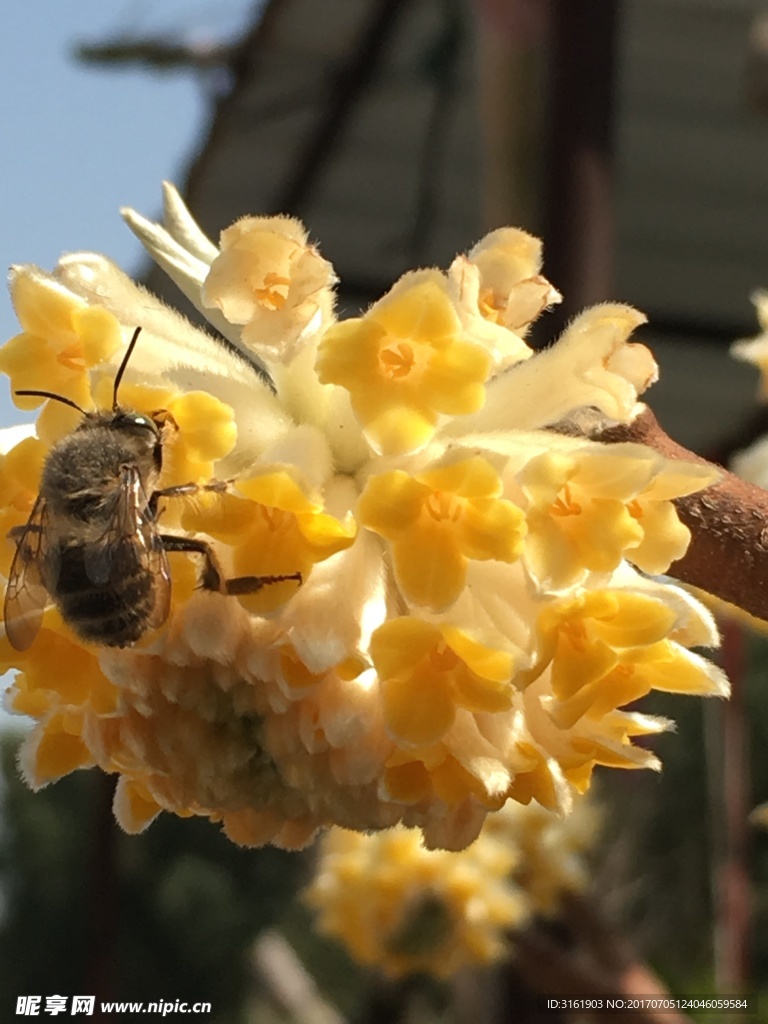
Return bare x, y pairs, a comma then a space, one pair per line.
121, 371
57, 398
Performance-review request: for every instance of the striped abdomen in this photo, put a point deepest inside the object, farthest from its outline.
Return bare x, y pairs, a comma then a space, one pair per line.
114, 613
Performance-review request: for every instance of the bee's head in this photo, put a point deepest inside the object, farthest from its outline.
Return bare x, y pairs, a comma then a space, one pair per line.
141, 433
155, 428
135, 424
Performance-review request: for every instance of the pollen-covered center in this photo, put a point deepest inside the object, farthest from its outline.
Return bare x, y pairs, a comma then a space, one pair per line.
443, 507
406, 364
277, 520
442, 658
398, 360
491, 308
575, 631
438, 521
273, 294
73, 357
635, 509
564, 504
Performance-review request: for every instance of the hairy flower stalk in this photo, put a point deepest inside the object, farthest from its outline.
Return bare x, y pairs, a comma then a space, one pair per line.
471, 626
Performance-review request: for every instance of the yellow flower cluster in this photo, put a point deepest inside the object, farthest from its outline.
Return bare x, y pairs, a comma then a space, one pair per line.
469, 626
755, 350
752, 463
402, 908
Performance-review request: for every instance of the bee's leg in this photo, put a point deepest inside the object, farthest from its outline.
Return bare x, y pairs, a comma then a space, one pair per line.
17, 532
250, 584
184, 491
212, 576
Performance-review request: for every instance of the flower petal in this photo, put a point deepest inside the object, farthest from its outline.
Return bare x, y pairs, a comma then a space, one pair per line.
430, 567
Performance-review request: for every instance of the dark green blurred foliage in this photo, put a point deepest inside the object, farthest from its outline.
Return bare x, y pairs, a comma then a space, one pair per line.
170, 914
344, 982
657, 872
44, 844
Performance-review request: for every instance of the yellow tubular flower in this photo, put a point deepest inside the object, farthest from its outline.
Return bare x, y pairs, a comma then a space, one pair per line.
62, 337
462, 626
62, 701
405, 364
274, 530
426, 672
499, 292
20, 472
419, 776
755, 350
591, 507
597, 368
607, 648
270, 280
437, 521
752, 463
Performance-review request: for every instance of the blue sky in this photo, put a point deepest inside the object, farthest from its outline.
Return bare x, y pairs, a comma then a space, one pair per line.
80, 141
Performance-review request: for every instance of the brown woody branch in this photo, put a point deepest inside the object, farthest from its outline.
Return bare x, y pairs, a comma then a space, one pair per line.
590, 960
728, 553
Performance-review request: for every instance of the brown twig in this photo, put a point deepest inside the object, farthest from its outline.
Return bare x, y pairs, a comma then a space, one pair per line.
589, 960
733, 905
728, 553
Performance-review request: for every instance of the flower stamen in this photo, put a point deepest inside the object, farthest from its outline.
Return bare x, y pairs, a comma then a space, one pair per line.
564, 505
576, 632
489, 307
635, 509
268, 295
277, 519
397, 361
72, 358
441, 506
442, 658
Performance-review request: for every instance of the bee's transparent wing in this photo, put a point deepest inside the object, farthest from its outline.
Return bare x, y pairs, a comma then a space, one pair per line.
131, 544
27, 594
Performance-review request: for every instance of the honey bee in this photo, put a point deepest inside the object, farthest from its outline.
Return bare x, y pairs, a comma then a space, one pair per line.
92, 544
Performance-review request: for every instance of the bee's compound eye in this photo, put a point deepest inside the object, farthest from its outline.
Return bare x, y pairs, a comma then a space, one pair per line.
136, 423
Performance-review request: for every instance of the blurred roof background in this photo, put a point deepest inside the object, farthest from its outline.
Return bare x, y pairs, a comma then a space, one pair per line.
401, 130
692, 197
365, 118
